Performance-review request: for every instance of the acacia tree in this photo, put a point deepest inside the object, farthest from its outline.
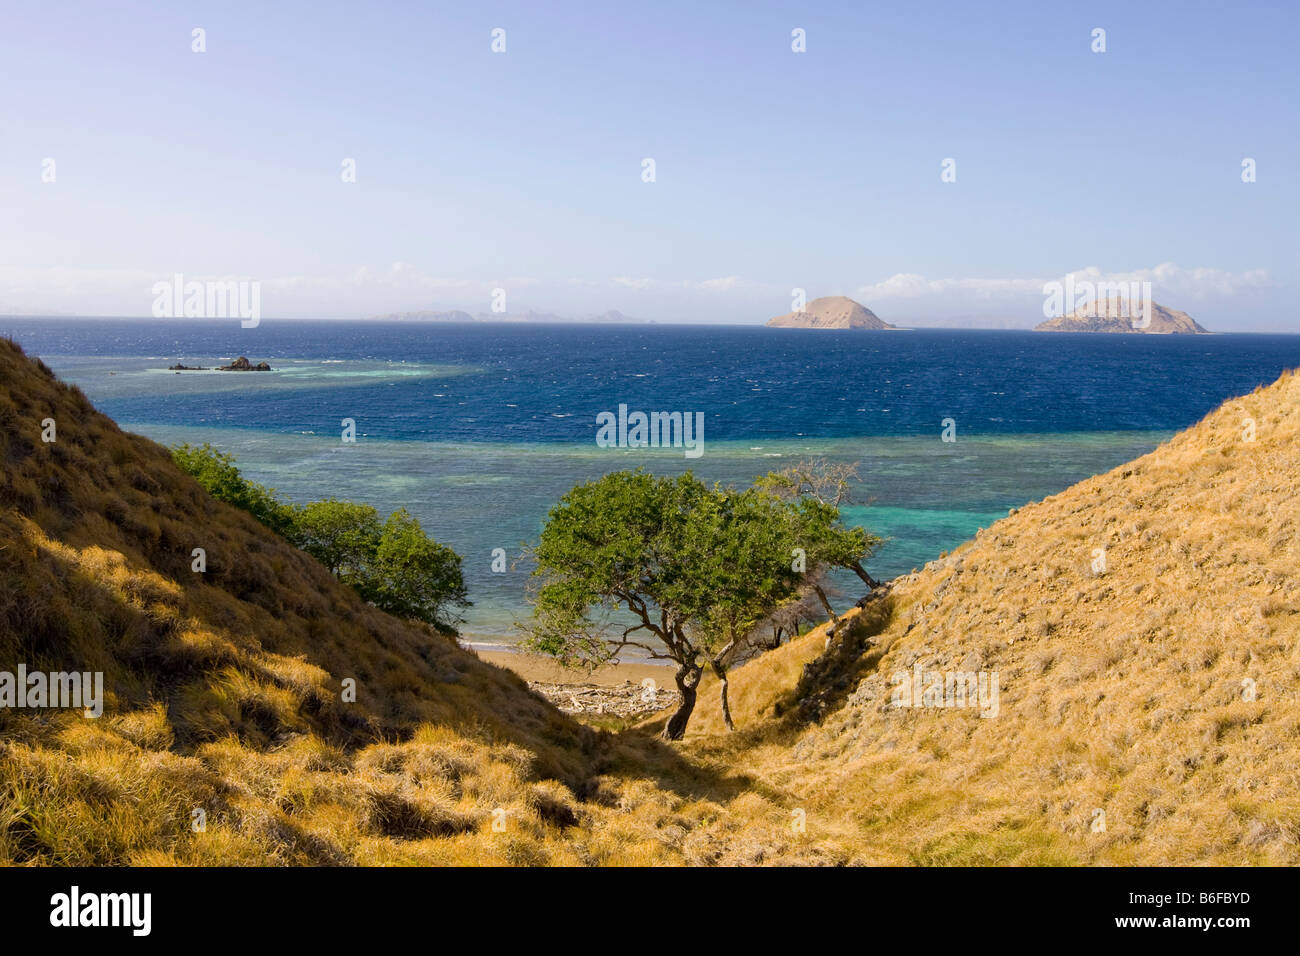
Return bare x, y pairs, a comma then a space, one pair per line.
692, 570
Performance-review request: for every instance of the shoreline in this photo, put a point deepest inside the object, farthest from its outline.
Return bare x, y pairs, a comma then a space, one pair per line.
613, 690
539, 669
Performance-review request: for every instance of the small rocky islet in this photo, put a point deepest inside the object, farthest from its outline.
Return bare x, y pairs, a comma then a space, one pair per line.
241, 364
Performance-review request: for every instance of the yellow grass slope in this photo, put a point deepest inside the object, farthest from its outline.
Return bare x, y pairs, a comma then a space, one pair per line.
224, 695
1149, 705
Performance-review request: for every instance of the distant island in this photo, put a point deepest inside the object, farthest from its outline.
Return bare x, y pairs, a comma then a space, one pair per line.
1113, 315
610, 317
843, 313
831, 312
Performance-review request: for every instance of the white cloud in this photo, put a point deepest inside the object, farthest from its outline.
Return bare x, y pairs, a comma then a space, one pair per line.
1167, 279
723, 284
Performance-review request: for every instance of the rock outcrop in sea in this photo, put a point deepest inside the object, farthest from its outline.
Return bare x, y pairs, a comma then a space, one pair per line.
242, 364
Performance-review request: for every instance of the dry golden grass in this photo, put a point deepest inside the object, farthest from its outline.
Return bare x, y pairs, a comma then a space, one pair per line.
1120, 691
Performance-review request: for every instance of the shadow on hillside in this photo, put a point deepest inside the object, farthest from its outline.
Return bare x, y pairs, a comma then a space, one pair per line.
649, 757
629, 754
129, 623
824, 685
828, 680
825, 682
66, 618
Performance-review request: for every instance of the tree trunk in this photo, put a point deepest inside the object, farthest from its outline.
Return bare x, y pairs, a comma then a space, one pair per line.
826, 604
688, 678
720, 673
857, 568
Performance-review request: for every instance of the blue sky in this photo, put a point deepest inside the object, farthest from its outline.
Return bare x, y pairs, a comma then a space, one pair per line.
522, 170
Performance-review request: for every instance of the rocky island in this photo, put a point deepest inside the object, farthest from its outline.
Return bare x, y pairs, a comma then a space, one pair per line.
242, 364
831, 312
1113, 315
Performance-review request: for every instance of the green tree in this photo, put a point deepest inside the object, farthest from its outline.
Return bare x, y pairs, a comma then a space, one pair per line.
824, 487
341, 535
696, 569
412, 575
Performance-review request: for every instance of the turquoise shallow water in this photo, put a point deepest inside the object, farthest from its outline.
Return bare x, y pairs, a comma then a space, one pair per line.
925, 496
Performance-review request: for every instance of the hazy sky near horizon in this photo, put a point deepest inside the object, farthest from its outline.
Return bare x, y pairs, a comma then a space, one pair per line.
523, 170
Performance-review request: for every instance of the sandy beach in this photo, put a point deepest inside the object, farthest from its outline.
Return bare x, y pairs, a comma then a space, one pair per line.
538, 669
616, 690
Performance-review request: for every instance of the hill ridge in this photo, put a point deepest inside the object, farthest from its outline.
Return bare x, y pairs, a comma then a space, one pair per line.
1145, 626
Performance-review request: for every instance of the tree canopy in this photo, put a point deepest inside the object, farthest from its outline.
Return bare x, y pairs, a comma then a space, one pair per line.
695, 568
412, 575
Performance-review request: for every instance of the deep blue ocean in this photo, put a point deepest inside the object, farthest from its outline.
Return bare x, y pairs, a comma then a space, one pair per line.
478, 429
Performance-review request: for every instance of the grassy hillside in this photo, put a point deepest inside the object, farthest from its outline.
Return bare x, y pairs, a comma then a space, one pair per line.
1125, 688
224, 694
